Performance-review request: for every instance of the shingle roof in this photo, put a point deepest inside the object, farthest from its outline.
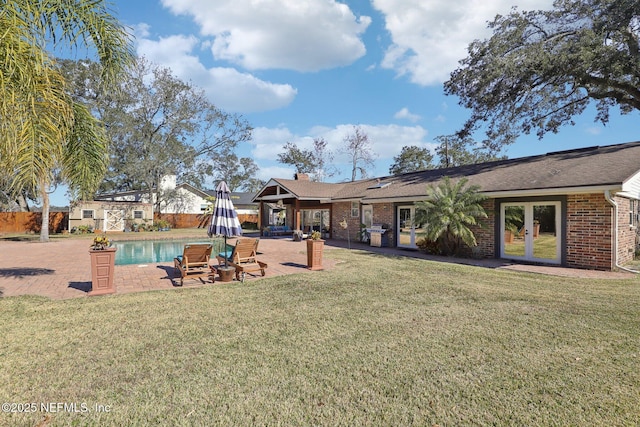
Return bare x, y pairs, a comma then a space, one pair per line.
587, 167
596, 166
310, 190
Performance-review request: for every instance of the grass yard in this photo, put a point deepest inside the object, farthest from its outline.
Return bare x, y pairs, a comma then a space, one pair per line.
377, 341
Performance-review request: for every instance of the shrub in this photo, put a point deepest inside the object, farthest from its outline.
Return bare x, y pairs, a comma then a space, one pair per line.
82, 229
428, 246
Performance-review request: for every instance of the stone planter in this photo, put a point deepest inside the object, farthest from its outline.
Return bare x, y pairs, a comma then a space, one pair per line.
102, 271
314, 254
226, 273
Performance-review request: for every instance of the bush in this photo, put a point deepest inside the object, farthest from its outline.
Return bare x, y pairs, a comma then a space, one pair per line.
82, 229
161, 225
248, 225
428, 246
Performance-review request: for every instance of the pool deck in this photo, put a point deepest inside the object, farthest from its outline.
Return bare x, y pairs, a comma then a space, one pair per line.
61, 268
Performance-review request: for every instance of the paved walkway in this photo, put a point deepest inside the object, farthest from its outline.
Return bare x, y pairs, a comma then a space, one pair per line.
61, 268
496, 263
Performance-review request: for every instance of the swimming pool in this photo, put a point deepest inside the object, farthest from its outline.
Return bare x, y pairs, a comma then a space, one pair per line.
153, 251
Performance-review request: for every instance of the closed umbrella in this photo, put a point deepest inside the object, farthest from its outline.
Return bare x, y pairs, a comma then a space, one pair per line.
224, 219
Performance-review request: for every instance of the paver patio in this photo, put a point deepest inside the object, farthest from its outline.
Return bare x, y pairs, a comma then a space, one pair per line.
61, 268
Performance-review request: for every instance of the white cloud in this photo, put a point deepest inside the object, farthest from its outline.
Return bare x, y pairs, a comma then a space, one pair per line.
429, 38
267, 172
278, 34
268, 142
227, 88
407, 115
386, 141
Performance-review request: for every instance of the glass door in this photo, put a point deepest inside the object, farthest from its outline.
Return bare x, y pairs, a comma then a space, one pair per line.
409, 232
530, 231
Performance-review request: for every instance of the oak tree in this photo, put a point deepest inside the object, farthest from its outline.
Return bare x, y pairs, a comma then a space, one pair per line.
411, 158
542, 68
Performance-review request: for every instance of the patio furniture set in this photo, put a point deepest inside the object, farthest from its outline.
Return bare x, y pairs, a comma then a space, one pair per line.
241, 259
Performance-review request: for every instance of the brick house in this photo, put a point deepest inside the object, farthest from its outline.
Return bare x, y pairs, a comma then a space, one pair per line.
576, 208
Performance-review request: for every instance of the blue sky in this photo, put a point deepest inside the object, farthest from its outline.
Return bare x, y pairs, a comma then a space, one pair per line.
298, 70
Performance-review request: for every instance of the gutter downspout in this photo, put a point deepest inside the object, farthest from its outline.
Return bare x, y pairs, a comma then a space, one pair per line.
607, 196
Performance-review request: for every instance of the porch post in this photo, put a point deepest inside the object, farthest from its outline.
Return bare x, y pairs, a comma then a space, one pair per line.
261, 217
296, 224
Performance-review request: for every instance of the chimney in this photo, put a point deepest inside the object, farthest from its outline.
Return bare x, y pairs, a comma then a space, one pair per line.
302, 177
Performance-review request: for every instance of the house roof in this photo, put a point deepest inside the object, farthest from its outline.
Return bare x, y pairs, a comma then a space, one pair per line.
612, 167
278, 188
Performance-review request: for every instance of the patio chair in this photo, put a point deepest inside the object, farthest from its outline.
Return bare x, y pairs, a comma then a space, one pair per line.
194, 262
243, 258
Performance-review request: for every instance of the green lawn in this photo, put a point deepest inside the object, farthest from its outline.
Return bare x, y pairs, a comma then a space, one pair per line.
377, 341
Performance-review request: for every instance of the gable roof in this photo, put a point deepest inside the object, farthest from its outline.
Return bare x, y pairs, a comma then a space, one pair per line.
599, 168
278, 188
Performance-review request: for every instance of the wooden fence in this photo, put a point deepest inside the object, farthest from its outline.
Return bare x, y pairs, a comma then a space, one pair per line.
26, 222
199, 220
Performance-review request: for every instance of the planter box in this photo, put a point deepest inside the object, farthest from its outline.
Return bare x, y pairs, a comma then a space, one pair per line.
314, 254
102, 271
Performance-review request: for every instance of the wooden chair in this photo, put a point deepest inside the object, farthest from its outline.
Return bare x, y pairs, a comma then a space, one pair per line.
243, 258
194, 262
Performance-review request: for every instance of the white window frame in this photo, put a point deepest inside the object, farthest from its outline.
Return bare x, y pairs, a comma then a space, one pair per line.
93, 214
634, 213
355, 209
141, 214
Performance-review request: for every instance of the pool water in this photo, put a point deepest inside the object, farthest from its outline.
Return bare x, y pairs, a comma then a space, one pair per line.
153, 251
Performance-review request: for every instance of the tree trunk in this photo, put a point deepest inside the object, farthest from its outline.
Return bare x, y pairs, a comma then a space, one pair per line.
21, 200
44, 230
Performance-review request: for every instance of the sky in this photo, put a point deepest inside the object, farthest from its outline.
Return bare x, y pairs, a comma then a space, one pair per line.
303, 69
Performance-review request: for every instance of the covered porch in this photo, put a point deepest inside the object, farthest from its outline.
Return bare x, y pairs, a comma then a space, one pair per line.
297, 204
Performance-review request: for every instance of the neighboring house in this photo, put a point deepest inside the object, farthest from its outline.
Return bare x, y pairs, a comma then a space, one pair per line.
576, 208
185, 198
109, 216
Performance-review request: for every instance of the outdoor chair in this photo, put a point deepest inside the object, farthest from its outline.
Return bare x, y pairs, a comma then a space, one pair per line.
243, 258
194, 262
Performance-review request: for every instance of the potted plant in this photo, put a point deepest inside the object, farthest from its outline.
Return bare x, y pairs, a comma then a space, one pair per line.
103, 257
315, 246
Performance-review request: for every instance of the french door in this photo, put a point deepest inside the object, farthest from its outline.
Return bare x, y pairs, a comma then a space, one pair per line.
530, 231
409, 232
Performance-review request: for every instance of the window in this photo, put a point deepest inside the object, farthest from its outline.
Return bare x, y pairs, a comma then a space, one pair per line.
87, 214
634, 213
138, 214
355, 209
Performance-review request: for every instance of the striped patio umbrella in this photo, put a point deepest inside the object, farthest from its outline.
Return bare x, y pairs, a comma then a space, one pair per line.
224, 219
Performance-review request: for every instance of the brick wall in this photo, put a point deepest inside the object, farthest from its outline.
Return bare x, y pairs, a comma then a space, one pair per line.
589, 239
485, 232
383, 213
626, 233
342, 211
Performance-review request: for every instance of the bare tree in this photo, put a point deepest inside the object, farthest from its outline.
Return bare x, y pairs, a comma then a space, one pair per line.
358, 147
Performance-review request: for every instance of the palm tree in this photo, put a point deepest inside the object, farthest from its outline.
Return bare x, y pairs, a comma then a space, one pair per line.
449, 211
43, 133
